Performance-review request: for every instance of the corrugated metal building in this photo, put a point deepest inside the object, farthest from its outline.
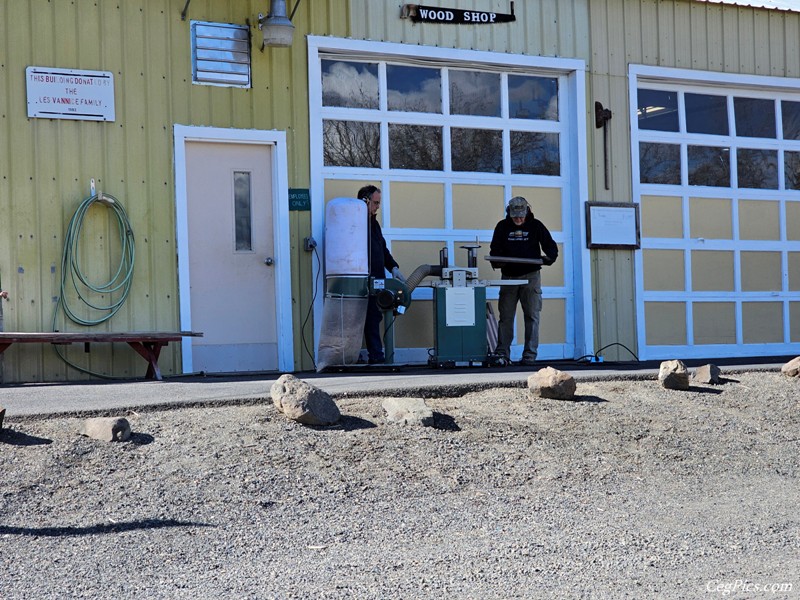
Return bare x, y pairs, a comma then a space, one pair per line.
205, 133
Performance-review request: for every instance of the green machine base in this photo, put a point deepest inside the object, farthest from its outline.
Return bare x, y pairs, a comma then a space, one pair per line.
459, 321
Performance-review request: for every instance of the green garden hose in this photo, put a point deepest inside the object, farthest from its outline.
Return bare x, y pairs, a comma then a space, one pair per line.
119, 284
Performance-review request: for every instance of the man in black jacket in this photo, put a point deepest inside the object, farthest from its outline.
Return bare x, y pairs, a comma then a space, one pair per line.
380, 260
520, 235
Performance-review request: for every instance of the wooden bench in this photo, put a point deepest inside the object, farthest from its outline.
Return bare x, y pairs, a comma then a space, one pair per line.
147, 343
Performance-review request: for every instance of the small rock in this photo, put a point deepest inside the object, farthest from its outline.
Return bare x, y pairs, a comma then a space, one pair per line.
107, 429
674, 375
707, 374
552, 383
408, 411
792, 368
304, 403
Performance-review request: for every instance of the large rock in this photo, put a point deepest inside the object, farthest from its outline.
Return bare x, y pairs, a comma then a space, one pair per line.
107, 429
707, 374
674, 375
552, 383
304, 403
408, 411
792, 368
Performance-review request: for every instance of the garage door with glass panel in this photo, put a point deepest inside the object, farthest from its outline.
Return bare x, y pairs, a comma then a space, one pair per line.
449, 143
717, 173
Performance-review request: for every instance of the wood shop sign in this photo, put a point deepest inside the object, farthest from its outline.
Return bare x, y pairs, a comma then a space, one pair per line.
437, 14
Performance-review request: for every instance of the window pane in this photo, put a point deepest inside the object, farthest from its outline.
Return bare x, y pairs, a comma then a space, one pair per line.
791, 164
658, 110
706, 114
791, 120
757, 168
532, 97
476, 150
659, 163
473, 93
415, 147
241, 210
534, 153
349, 84
755, 117
351, 143
709, 165
414, 89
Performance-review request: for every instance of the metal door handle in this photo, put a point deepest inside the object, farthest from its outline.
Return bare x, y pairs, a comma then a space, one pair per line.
269, 261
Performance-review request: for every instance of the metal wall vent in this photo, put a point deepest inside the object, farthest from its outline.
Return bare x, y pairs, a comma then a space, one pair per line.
220, 54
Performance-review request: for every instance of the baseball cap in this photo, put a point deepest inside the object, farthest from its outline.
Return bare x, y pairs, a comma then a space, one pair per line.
517, 207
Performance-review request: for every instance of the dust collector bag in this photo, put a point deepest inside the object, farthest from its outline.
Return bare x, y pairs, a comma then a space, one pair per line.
343, 321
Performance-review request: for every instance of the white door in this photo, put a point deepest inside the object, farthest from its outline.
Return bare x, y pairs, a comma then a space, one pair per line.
231, 257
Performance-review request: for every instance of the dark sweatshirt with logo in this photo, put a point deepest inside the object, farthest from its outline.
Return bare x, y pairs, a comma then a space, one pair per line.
529, 240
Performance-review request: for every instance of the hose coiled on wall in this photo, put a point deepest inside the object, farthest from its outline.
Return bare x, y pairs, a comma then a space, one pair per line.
119, 284
71, 269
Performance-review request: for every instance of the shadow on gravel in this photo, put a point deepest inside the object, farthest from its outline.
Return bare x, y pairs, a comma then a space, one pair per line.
588, 399
97, 529
141, 439
17, 438
703, 390
349, 423
445, 422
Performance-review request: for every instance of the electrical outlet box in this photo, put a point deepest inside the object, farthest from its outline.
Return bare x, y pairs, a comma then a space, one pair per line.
596, 359
309, 244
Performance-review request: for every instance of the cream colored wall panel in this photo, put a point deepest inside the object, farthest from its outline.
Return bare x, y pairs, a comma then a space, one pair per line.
762, 322
793, 221
662, 216
794, 271
552, 325
794, 319
665, 323
417, 204
663, 270
714, 322
761, 271
343, 188
710, 218
759, 220
459, 257
410, 255
712, 271
545, 204
553, 275
414, 329
477, 206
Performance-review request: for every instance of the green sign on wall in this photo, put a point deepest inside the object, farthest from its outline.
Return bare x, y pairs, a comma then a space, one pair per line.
299, 199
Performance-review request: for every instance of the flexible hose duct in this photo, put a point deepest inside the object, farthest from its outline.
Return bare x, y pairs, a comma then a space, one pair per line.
420, 273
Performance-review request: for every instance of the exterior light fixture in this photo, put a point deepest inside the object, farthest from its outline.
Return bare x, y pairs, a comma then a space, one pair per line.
276, 27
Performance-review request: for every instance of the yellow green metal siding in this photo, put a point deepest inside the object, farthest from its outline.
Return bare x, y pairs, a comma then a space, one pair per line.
46, 165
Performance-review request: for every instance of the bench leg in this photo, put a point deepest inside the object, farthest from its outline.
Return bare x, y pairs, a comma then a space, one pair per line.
150, 351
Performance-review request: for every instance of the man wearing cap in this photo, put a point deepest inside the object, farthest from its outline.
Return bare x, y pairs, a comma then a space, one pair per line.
521, 236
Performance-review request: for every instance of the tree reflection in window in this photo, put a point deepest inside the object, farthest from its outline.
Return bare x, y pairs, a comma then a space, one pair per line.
706, 114
657, 110
414, 89
351, 144
415, 147
659, 163
757, 168
709, 165
478, 150
755, 117
791, 165
532, 97
349, 84
535, 153
791, 120
474, 93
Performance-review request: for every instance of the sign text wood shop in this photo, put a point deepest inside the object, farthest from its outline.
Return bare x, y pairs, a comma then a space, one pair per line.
419, 13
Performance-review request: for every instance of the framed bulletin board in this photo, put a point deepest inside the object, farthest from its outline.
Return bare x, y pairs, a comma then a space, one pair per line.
612, 225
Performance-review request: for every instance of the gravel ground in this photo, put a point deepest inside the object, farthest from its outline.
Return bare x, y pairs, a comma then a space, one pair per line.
631, 491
